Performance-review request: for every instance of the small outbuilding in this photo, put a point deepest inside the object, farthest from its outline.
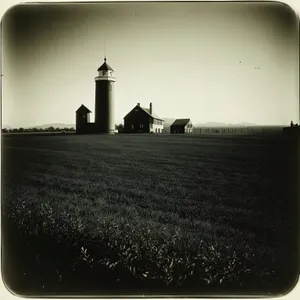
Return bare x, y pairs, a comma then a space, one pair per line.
82, 119
181, 126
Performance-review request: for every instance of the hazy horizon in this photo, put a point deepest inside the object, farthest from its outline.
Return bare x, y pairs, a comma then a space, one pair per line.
167, 122
210, 62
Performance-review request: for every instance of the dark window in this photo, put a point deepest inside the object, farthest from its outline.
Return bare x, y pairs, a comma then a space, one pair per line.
141, 125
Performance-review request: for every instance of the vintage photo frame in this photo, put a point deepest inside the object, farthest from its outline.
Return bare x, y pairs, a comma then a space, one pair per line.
184, 181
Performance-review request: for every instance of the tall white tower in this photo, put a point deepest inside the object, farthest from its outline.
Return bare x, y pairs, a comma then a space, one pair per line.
104, 102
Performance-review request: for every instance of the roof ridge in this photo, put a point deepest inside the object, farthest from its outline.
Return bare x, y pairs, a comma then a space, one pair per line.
83, 107
181, 121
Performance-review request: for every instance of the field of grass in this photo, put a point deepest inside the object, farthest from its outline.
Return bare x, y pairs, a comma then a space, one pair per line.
149, 214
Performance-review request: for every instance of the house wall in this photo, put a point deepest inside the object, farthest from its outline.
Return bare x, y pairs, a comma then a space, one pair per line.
81, 122
83, 126
189, 128
155, 128
137, 121
177, 129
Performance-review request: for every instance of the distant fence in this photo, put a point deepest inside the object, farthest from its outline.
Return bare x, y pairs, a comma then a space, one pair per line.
231, 130
226, 130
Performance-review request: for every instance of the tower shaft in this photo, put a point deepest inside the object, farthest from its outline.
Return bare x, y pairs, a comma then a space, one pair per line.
104, 107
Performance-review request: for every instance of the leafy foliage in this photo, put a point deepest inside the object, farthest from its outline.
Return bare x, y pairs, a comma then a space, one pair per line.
165, 220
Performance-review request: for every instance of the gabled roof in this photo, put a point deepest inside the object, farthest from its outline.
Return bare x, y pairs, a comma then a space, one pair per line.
105, 67
180, 122
147, 111
154, 116
83, 110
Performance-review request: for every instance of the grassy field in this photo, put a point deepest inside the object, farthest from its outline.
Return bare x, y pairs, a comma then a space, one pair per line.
165, 214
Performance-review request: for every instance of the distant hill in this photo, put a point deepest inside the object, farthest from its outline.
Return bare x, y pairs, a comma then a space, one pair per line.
55, 125
216, 124
6, 126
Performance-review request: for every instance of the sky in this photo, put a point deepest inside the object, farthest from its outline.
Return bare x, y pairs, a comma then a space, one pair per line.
210, 62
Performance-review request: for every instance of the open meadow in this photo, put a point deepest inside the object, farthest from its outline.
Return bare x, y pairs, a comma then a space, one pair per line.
141, 214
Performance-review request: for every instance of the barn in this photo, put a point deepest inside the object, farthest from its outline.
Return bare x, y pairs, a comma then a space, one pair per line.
181, 126
142, 120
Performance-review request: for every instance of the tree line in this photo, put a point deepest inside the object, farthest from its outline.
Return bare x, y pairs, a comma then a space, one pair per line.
48, 129
120, 127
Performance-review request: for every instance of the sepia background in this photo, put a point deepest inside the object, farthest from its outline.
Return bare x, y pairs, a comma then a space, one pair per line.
211, 62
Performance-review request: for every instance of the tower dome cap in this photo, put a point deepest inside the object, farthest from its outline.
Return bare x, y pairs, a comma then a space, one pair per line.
105, 66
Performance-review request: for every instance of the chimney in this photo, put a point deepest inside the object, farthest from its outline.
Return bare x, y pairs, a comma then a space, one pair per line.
150, 108
139, 104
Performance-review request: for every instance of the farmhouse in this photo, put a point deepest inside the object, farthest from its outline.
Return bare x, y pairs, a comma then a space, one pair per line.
181, 126
142, 120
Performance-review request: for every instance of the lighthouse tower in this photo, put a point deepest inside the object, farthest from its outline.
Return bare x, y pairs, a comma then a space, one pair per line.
104, 102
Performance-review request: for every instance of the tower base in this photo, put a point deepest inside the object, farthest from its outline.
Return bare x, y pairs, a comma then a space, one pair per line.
106, 133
